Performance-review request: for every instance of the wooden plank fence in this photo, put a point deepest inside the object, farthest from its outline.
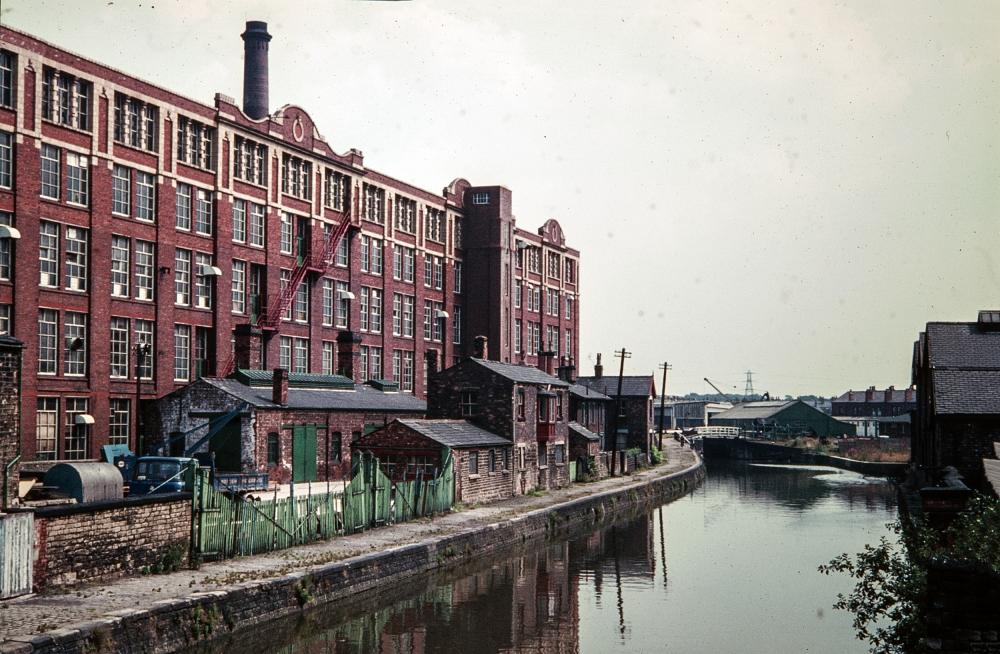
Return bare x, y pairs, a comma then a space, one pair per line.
233, 524
17, 553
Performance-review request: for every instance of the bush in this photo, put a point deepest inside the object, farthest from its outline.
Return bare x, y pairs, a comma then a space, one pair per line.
891, 590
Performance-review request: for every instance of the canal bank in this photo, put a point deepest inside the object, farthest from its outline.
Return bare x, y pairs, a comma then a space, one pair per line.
763, 452
173, 612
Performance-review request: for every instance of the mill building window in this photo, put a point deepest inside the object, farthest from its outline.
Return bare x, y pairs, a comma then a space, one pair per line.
374, 209
480, 198
6, 159
296, 176
250, 161
75, 351
7, 79
406, 214
434, 224
6, 247
335, 189
195, 143
66, 99
137, 123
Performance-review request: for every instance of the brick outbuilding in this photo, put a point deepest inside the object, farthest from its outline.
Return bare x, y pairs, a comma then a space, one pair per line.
293, 426
521, 403
637, 395
407, 449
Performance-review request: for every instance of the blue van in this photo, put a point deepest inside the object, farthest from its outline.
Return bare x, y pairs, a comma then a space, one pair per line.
161, 474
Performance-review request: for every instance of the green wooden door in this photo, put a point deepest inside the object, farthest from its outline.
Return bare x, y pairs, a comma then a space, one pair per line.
304, 453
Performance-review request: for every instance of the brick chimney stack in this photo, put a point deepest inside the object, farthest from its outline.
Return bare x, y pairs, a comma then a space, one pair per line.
545, 360
598, 368
870, 394
889, 393
279, 386
480, 348
910, 392
255, 46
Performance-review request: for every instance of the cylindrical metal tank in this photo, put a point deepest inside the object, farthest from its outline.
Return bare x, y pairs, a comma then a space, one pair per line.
86, 481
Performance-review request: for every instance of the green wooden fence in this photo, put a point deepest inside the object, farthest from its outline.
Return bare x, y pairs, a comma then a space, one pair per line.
228, 524
421, 497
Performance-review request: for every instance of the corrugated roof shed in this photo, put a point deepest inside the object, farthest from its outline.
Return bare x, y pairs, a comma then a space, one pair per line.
360, 398
456, 433
632, 385
755, 410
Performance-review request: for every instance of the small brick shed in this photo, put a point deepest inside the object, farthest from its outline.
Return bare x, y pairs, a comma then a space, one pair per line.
293, 426
408, 448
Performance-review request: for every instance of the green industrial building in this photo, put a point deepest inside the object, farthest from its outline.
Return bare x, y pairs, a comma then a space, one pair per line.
782, 418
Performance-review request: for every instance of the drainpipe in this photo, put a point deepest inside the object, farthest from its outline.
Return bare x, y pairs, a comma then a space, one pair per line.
6, 474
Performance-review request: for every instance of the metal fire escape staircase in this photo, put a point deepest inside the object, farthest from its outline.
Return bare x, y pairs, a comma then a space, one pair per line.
308, 263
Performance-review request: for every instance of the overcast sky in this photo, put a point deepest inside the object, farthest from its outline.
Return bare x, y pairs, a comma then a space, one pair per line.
790, 188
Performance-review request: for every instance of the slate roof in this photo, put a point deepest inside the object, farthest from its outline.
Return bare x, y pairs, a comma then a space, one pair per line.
755, 410
962, 345
964, 363
361, 398
520, 374
632, 385
583, 431
586, 392
455, 433
966, 391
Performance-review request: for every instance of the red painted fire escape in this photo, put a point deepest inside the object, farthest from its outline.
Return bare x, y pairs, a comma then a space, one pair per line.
310, 262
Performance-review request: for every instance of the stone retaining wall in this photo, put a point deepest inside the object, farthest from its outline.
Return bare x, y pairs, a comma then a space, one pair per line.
743, 449
75, 543
178, 624
962, 615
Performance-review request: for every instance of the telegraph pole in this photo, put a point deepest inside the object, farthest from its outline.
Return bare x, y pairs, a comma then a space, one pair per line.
663, 398
618, 408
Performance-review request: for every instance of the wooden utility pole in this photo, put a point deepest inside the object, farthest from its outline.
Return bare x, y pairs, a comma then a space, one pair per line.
618, 409
663, 398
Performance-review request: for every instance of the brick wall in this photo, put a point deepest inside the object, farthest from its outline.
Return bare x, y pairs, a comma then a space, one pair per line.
81, 543
196, 403
964, 441
484, 486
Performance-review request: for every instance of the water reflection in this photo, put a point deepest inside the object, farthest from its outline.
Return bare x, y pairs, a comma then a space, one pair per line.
729, 568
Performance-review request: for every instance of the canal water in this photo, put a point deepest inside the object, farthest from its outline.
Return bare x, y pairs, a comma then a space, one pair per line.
732, 567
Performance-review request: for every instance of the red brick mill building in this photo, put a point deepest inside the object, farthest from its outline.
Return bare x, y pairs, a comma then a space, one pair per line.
147, 240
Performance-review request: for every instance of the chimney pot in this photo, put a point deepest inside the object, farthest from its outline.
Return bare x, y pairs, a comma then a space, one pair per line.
279, 388
481, 348
255, 75
431, 356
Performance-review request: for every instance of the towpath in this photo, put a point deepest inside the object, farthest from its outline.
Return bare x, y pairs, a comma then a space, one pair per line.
23, 617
